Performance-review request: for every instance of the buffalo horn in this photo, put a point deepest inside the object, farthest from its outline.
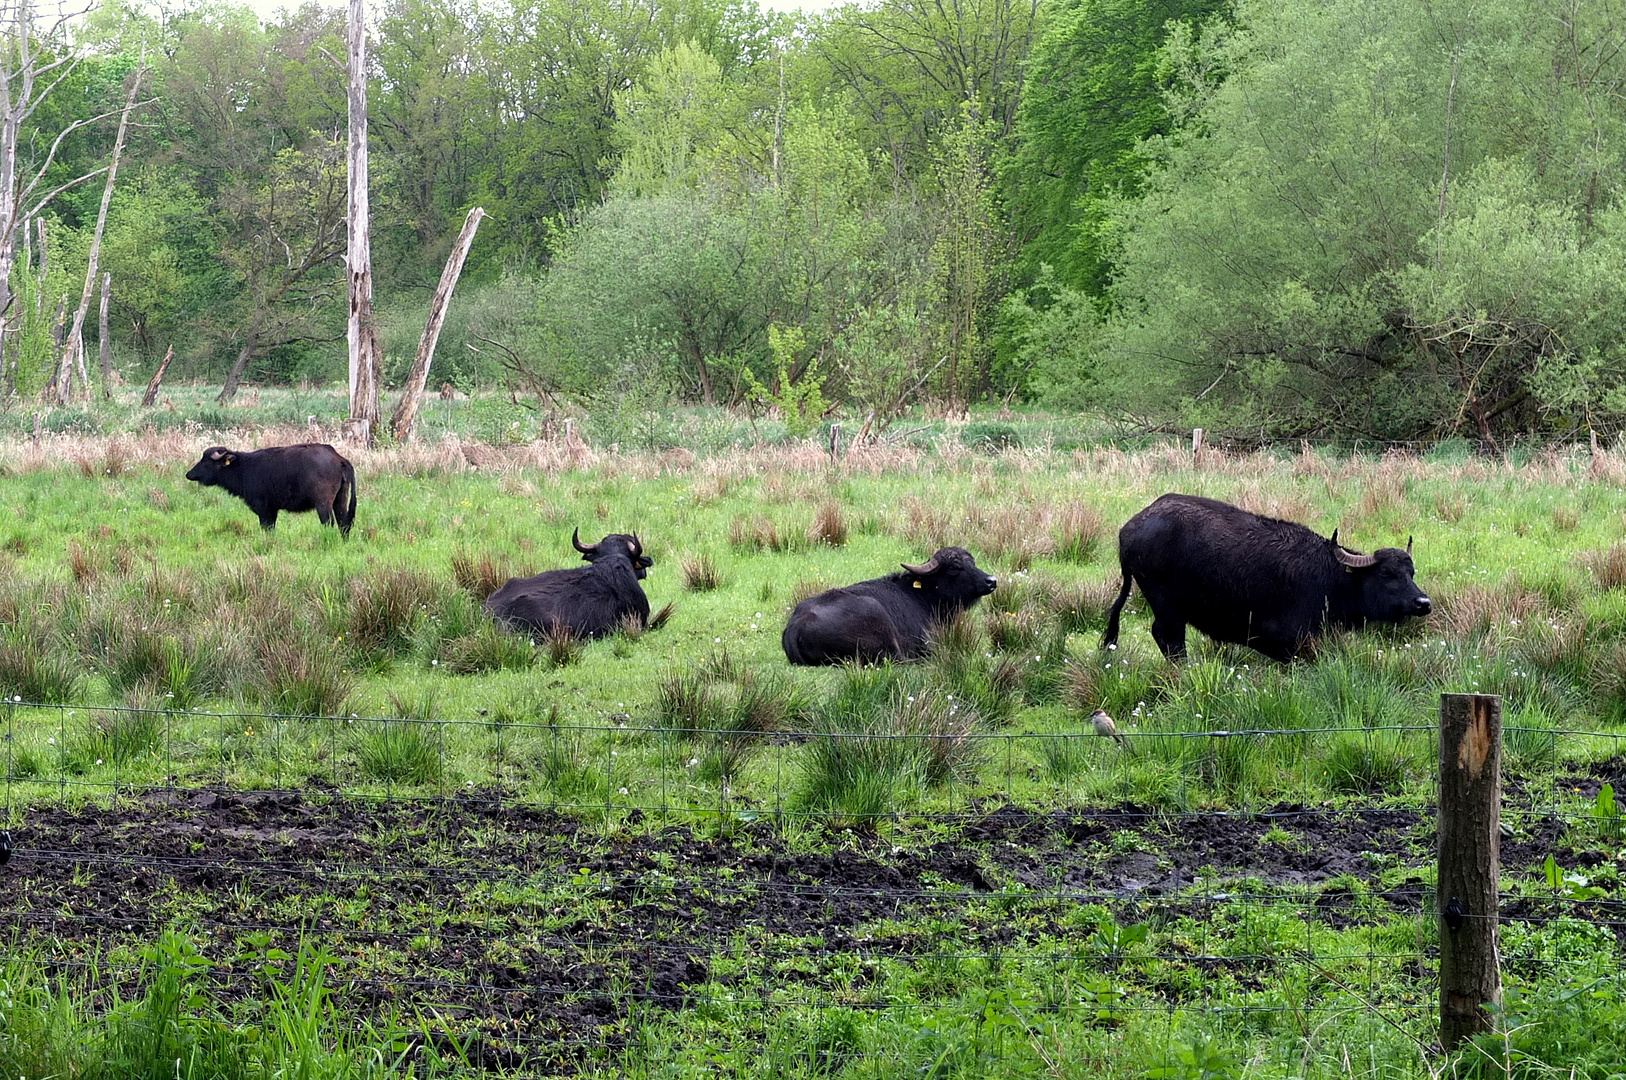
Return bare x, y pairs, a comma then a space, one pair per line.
576, 539
1408, 545
923, 569
1352, 560
216, 455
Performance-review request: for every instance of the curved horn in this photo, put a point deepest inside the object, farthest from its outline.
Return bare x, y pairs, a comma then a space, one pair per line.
1408, 545
576, 540
924, 568
1352, 560
637, 544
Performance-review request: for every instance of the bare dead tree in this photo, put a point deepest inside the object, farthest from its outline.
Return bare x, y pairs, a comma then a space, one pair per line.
76, 336
35, 59
406, 411
362, 332
104, 341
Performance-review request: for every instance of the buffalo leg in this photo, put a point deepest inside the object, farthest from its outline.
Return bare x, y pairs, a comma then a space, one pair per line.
324, 514
1170, 636
268, 520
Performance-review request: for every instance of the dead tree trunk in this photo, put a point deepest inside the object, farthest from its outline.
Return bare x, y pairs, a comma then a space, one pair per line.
406, 411
234, 377
151, 395
105, 342
1470, 861
362, 332
76, 336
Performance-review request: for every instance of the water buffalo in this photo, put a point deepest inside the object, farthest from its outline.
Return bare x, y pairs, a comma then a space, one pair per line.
309, 476
888, 618
1269, 584
589, 601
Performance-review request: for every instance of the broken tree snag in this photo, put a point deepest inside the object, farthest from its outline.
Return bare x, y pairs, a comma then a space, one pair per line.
104, 342
1470, 861
361, 334
157, 377
406, 410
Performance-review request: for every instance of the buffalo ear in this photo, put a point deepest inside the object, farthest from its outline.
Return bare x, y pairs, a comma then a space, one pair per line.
227, 460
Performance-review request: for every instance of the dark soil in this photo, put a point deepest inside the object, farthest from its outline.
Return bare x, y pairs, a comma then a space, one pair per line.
544, 934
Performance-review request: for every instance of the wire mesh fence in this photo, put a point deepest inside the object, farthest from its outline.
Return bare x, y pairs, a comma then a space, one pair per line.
548, 894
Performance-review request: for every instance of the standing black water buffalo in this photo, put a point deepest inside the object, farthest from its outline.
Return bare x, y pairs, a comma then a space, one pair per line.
1257, 581
888, 618
309, 476
588, 600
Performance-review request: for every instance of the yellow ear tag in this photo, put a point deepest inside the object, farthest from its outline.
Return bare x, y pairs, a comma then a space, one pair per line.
917, 583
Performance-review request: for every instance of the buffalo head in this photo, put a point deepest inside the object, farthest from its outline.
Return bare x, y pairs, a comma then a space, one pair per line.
951, 576
1385, 579
207, 470
615, 544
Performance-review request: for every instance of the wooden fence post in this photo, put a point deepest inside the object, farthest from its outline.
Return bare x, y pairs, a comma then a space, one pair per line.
1470, 861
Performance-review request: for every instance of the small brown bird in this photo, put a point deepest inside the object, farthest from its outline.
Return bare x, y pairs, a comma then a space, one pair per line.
1104, 726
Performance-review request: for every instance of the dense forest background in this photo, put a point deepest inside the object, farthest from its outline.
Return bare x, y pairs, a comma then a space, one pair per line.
1280, 218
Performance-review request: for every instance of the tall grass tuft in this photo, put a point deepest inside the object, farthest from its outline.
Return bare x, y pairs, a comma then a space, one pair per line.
301, 675
662, 617
404, 751
1367, 763
115, 737
1076, 533
384, 607
487, 648
878, 740
700, 573
479, 575
829, 526
31, 670
559, 647
686, 702
1607, 566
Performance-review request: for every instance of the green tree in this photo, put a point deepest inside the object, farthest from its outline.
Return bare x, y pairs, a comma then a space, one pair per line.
1094, 93
1384, 221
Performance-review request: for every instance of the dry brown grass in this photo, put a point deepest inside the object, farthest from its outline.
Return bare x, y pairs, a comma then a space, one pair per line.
1478, 608
1566, 518
700, 573
480, 575
1608, 566
759, 534
807, 587
1076, 532
829, 525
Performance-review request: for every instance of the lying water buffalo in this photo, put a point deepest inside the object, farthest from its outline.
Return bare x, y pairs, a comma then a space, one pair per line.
1256, 581
888, 618
588, 600
309, 476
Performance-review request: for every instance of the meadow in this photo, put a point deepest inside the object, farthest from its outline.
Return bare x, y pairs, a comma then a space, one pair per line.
265, 765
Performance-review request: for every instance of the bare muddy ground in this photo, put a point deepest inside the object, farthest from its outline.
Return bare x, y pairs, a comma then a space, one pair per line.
543, 933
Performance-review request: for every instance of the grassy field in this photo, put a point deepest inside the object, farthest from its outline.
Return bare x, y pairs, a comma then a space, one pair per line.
721, 864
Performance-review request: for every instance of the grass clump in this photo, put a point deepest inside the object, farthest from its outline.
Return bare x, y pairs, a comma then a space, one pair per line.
487, 648
301, 675
409, 750
479, 575
1368, 763
881, 738
33, 670
384, 608
1608, 566
829, 525
700, 573
1076, 533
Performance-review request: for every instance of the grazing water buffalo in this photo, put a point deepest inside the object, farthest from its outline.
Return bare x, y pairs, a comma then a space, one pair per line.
1256, 581
888, 618
309, 476
587, 600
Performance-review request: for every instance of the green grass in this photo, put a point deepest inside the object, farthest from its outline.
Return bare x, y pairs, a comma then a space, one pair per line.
121, 585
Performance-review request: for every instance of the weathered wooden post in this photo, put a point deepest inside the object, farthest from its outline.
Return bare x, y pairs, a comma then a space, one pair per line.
1470, 861
1196, 444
